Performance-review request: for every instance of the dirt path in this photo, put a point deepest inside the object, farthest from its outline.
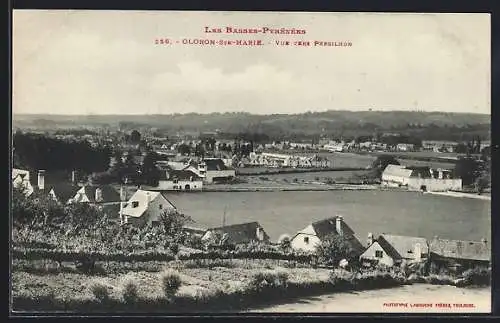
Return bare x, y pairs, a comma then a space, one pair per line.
417, 298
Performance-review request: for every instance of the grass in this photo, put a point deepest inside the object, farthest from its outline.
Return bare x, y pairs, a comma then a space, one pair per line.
181, 288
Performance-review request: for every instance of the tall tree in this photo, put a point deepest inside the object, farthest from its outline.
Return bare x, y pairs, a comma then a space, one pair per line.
135, 137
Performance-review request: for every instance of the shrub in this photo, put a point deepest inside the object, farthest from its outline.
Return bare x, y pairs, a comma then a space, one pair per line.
477, 276
130, 292
100, 292
171, 282
268, 279
174, 248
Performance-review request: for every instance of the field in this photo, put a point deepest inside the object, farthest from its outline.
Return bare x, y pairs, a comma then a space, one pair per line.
194, 280
396, 212
365, 160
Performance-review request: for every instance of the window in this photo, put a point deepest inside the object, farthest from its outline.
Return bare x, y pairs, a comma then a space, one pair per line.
176, 181
135, 203
160, 206
306, 239
379, 254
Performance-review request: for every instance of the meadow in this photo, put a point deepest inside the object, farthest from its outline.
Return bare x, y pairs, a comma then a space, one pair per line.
375, 211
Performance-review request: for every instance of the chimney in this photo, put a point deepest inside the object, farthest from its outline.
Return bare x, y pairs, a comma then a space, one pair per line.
148, 198
98, 195
369, 241
259, 234
123, 197
41, 179
73, 177
418, 252
338, 224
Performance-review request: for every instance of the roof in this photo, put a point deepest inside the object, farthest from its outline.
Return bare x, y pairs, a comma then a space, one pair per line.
328, 226
109, 194
397, 170
460, 249
241, 233
141, 196
25, 174
65, 191
401, 247
182, 175
215, 164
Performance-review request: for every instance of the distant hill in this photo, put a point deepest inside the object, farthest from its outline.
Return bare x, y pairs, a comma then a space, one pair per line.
345, 124
222, 120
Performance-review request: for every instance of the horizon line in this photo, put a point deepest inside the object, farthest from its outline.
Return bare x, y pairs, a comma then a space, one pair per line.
242, 112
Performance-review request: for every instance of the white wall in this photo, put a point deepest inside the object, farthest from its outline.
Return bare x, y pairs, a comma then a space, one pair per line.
370, 255
298, 242
395, 179
153, 212
435, 185
168, 185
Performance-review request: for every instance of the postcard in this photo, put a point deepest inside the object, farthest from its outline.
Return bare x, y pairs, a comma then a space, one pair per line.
171, 162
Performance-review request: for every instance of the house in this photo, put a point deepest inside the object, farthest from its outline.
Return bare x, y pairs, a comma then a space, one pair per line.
312, 235
146, 207
178, 180
393, 250
458, 255
96, 194
405, 147
420, 178
59, 190
21, 180
439, 145
237, 233
214, 170
395, 176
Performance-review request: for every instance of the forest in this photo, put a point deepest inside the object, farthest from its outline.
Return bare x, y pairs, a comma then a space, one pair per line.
33, 152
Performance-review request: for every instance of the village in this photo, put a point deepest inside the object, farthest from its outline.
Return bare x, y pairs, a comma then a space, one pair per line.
143, 205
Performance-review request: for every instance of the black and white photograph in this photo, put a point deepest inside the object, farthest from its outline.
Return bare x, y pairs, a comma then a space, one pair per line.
167, 162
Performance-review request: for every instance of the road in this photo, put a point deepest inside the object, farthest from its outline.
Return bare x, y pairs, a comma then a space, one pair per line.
418, 298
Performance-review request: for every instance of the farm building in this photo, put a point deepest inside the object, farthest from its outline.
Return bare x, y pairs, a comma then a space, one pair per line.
392, 250
420, 178
178, 180
312, 235
215, 170
236, 234
459, 255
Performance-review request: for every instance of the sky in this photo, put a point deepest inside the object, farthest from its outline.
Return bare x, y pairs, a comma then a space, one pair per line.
107, 62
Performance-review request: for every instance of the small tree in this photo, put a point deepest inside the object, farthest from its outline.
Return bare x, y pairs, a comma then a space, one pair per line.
333, 249
130, 292
481, 183
173, 224
382, 162
285, 242
100, 292
170, 282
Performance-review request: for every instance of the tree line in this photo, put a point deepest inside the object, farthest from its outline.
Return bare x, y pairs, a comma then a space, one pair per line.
34, 152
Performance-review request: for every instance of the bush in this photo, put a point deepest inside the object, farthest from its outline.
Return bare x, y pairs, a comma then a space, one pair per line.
477, 277
100, 292
130, 292
269, 280
171, 283
174, 248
